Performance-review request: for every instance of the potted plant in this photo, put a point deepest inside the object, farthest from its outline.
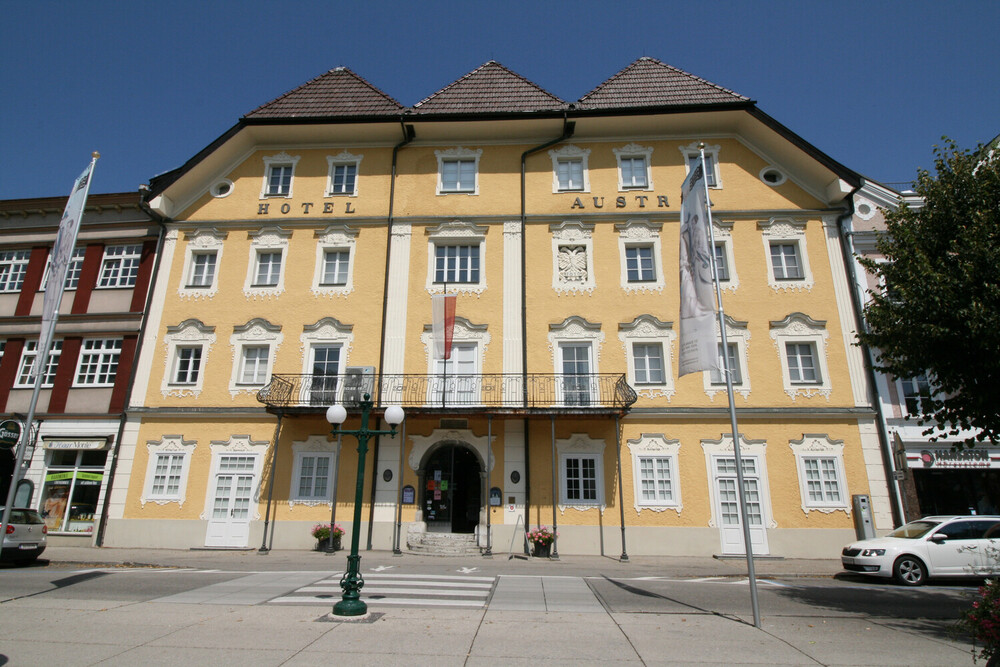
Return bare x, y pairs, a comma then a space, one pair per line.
322, 533
983, 621
541, 540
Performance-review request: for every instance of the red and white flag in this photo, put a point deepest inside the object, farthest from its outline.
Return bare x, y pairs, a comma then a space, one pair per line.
443, 323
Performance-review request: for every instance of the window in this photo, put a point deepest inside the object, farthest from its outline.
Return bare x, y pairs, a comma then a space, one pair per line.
335, 267
167, 475
73, 269
717, 377
655, 480
268, 270
456, 380
167, 470
569, 169
580, 474
570, 174
578, 382
342, 178
822, 480
254, 365
187, 365
202, 271
98, 366
120, 266
73, 481
654, 461
313, 476
820, 463
13, 267
692, 157
278, 172
324, 373
456, 264
458, 176
29, 358
785, 261
695, 159
802, 367
581, 471
915, 390
639, 264
722, 262
738, 343
648, 359
633, 167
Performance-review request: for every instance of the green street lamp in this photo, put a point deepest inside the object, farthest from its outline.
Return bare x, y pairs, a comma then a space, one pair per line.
352, 582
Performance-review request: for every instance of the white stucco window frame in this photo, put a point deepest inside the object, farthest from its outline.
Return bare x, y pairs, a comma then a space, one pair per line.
693, 151
457, 153
278, 159
786, 230
821, 446
334, 238
266, 240
343, 159
581, 445
724, 237
203, 241
464, 332
236, 445
168, 444
631, 151
189, 333
256, 332
456, 233
575, 330
571, 234
749, 449
570, 152
640, 234
312, 446
800, 328
648, 329
656, 446
738, 334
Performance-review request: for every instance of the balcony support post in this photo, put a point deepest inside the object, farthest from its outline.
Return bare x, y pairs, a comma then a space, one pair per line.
555, 493
621, 493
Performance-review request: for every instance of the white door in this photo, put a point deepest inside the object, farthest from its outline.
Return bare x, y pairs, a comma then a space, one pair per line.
455, 380
727, 506
229, 523
576, 386
324, 369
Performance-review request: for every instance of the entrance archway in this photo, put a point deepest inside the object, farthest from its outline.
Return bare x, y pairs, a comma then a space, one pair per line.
452, 490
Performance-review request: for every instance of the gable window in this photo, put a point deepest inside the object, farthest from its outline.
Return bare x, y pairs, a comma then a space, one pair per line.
458, 170
639, 265
98, 366
717, 377
692, 156
13, 268
456, 264
648, 360
342, 178
279, 171
120, 266
785, 261
633, 167
802, 368
254, 365
570, 174
914, 391
187, 364
569, 169
695, 160
29, 357
268, 270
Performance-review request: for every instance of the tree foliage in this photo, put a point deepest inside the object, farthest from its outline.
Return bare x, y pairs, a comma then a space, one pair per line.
940, 312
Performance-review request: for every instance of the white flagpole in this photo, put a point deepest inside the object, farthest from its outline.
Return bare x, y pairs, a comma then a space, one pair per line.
748, 548
66, 237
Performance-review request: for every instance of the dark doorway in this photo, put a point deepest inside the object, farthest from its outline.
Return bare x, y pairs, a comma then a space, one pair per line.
452, 490
958, 491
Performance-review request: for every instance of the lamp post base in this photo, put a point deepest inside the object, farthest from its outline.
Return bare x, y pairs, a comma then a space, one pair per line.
350, 608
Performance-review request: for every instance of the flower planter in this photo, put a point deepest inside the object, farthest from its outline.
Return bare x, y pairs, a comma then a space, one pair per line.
324, 544
539, 550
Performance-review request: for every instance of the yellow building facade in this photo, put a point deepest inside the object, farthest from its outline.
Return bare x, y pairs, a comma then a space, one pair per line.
302, 252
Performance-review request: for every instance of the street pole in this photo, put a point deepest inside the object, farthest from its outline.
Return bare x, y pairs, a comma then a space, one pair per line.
352, 581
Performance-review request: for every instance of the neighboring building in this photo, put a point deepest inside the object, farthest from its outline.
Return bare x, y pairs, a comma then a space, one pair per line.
930, 477
302, 250
80, 408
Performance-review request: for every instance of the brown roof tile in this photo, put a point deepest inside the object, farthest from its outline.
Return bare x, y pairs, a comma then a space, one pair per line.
491, 88
339, 92
648, 82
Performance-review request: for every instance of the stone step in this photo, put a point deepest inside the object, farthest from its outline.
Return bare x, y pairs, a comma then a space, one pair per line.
442, 544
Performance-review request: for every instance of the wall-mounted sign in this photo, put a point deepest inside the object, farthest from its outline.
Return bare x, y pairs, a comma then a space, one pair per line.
409, 495
948, 458
515, 476
387, 475
76, 443
495, 496
10, 433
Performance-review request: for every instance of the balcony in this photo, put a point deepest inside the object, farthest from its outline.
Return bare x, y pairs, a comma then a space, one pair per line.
495, 393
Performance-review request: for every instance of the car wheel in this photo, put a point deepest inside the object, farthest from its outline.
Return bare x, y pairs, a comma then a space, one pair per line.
909, 571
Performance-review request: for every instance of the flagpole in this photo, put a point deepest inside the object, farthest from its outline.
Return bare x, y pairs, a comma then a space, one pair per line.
48, 330
748, 548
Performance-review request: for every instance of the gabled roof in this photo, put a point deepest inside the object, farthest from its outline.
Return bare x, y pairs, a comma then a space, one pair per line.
650, 83
490, 88
339, 92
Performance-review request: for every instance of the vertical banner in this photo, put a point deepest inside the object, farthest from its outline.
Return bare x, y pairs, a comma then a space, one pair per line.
443, 323
698, 347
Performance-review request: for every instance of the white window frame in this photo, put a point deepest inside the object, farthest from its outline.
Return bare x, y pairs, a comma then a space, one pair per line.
646, 329
780, 231
755, 450
581, 446
281, 159
724, 238
120, 266
901, 391
738, 334
821, 447
202, 241
239, 446
168, 445
29, 357
335, 238
458, 154
655, 446
638, 234
575, 330
295, 496
572, 234
343, 159
13, 269
258, 332
266, 240
456, 233
73, 270
189, 333
330, 332
632, 151
714, 174
799, 328
570, 153
465, 333
108, 353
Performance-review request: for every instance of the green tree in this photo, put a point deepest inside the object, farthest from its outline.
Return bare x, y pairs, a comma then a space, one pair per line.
940, 312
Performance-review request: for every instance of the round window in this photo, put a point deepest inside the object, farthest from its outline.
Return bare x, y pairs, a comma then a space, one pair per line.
772, 176
222, 188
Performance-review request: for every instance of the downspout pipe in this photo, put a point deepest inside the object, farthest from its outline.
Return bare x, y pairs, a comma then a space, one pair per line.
847, 249
408, 135
161, 222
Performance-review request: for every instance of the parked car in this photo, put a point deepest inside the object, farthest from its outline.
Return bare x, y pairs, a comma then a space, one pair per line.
935, 546
26, 536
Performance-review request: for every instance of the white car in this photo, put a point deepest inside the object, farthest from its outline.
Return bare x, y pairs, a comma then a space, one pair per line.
935, 546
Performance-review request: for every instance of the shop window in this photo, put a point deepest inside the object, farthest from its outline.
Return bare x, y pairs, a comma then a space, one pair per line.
73, 480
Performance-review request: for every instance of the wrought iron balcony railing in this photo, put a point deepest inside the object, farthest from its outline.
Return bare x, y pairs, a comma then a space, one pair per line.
488, 391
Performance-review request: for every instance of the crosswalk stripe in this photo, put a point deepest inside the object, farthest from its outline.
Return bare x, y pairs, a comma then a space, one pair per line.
414, 590
413, 602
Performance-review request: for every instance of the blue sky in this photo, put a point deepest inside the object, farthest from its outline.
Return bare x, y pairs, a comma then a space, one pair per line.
872, 84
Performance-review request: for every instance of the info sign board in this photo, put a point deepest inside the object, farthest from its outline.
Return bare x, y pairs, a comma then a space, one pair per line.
10, 434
